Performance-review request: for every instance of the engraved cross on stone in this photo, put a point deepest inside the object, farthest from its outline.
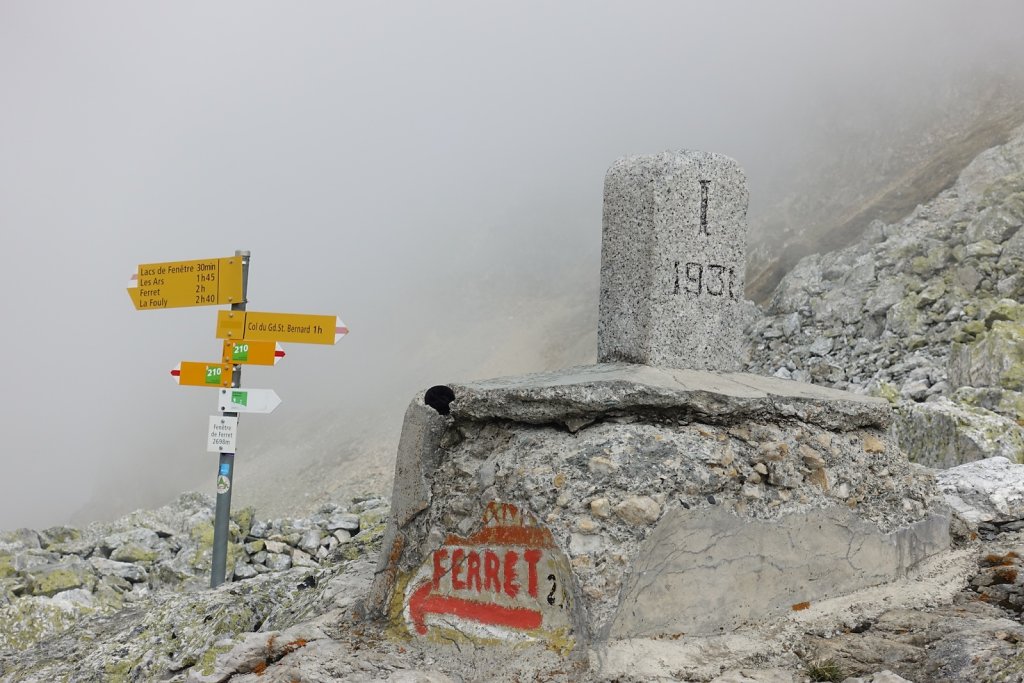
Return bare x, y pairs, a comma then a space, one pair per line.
673, 256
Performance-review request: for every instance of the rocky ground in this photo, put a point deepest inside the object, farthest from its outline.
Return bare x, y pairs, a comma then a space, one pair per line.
155, 565
876, 163
97, 618
926, 312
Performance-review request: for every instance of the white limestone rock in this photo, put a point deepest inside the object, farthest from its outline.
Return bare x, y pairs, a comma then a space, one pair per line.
638, 510
990, 490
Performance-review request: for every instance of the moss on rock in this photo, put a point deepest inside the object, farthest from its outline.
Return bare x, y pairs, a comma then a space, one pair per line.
132, 552
7, 566
202, 535
244, 518
944, 434
889, 392
372, 518
1001, 401
49, 579
31, 620
905, 318
118, 670
208, 660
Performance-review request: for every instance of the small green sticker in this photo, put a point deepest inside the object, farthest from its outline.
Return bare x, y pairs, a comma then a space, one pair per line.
213, 373
240, 352
240, 398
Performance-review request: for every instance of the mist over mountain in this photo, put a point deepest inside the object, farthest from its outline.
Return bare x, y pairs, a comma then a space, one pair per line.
924, 312
433, 175
533, 328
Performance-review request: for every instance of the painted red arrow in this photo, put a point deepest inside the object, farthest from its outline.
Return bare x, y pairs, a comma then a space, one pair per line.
423, 603
279, 353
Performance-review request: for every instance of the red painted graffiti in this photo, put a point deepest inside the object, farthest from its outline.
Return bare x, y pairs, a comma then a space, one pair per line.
486, 570
504, 524
491, 577
422, 603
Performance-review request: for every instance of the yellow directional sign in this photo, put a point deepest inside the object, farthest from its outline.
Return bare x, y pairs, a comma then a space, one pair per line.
285, 327
252, 352
207, 282
214, 375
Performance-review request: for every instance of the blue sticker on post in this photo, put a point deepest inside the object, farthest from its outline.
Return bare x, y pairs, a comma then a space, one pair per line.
225, 468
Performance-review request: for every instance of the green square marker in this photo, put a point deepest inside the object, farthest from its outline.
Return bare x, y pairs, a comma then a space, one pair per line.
213, 373
240, 353
240, 398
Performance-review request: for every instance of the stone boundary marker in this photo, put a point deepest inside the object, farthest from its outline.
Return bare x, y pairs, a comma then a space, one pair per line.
658, 494
673, 257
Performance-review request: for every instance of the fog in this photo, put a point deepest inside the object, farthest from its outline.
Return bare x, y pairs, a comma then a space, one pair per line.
431, 172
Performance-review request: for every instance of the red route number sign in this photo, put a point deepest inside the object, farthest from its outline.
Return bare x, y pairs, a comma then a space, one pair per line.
507, 581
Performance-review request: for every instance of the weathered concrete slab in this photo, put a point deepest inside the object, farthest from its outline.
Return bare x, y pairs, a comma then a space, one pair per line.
709, 571
673, 256
418, 451
806, 510
583, 394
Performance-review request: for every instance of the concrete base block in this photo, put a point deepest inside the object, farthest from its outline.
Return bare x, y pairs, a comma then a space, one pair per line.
621, 502
708, 572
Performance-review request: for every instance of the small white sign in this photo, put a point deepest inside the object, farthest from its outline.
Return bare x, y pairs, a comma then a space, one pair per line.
222, 433
248, 400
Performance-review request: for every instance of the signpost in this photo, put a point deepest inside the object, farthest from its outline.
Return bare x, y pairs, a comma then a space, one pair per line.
206, 282
222, 434
250, 352
248, 400
287, 327
193, 374
250, 338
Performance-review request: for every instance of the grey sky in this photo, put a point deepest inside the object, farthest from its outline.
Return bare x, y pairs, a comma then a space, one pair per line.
410, 166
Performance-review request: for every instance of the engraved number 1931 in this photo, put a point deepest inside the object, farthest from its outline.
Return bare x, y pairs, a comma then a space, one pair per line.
710, 279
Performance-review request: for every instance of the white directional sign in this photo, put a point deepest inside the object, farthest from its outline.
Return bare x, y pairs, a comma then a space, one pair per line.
248, 400
222, 433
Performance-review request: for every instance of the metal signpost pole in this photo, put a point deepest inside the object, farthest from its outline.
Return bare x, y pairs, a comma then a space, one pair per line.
250, 338
225, 469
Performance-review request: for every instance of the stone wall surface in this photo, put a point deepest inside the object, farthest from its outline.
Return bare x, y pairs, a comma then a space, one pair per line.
623, 468
718, 570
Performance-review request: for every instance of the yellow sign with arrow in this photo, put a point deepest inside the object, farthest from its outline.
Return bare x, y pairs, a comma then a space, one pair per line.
285, 327
175, 284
